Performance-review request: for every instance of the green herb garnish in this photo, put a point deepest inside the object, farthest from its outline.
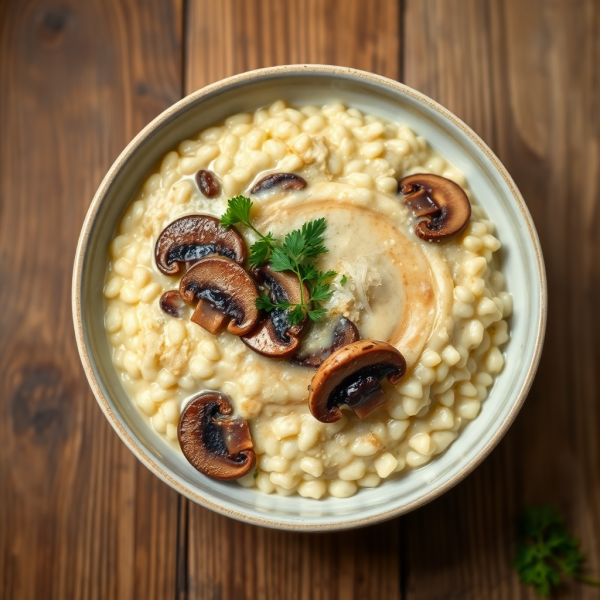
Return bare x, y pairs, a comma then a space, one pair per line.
297, 253
546, 551
238, 211
343, 280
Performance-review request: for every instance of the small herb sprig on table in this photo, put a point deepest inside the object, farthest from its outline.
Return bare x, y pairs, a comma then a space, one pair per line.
546, 551
296, 253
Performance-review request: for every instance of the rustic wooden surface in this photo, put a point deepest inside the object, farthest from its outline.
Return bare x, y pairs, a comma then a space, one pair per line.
79, 516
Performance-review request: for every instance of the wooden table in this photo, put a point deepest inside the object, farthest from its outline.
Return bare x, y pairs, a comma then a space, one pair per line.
79, 516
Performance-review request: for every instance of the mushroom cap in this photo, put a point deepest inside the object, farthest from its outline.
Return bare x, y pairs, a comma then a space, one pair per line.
351, 376
223, 290
208, 183
273, 335
345, 332
220, 448
284, 181
443, 204
193, 237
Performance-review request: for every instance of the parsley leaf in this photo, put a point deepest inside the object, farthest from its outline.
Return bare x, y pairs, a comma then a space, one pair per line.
546, 550
260, 251
320, 292
320, 288
296, 314
281, 261
317, 314
238, 211
308, 271
294, 243
327, 275
343, 280
263, 302
313, 233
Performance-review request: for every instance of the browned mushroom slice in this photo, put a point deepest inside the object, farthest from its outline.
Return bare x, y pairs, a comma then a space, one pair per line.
208, 183
352, 376
274, 336
345, 332
215, 444
172, 303
191, 238
223, 291
284, 181
443, 204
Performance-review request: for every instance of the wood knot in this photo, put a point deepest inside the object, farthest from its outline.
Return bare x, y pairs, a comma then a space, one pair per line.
141, 89
44, 429
39, 403
52, 25
55, 21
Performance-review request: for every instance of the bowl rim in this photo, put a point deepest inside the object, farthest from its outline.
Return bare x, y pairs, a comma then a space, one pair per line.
88, 361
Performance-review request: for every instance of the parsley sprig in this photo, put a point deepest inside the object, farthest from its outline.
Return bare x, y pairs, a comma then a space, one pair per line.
296, 253
238, 211
546, 551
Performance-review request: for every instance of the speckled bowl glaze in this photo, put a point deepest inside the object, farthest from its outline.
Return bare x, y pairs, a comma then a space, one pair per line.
493, 188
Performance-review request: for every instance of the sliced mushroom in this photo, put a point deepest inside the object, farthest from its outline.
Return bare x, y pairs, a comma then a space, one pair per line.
444, 205
352, 376
215, 444
172, 303
274, 336
224, 291
345, 332
208, 183
191, 238
284, 181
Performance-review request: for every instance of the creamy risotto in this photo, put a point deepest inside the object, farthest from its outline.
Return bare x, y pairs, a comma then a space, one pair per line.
441, 304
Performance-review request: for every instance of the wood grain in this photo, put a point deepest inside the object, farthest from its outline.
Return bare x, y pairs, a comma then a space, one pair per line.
525, 76
80, 518
232, 36
229, 560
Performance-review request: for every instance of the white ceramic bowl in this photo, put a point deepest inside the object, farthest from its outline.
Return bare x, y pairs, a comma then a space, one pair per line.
493, 189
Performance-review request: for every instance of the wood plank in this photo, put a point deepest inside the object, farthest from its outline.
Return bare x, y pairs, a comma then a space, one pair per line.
80, 517
232, 36
524, 75
227, 559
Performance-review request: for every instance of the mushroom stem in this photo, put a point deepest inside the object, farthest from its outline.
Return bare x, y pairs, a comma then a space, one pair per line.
443, 204
351, 376
365, 395
362, 390
208, 317
235, 434
223, 291
218, 447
